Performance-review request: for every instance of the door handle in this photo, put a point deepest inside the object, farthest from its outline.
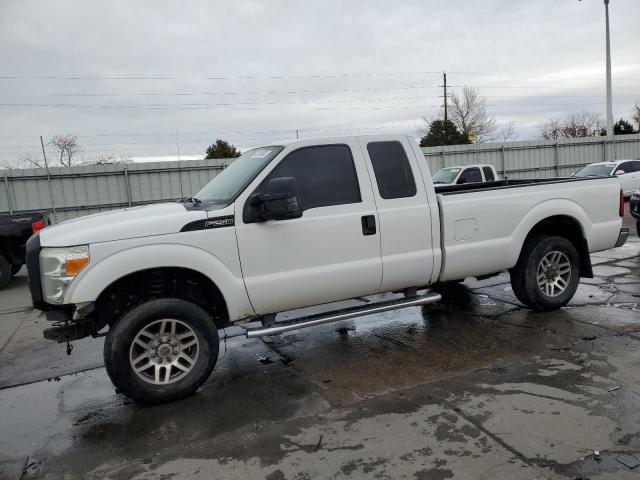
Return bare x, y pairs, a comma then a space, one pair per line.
368, 225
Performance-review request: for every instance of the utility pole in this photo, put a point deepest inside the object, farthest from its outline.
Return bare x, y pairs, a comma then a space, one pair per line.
44, 155
444, 85
609, 87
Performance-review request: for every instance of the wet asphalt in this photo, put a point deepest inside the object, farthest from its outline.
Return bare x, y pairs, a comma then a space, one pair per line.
476, 387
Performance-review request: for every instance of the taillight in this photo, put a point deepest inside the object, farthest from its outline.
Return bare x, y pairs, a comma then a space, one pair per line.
37, 226
621, 209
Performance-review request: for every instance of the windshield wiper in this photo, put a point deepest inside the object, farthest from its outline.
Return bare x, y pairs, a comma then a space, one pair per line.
193, 200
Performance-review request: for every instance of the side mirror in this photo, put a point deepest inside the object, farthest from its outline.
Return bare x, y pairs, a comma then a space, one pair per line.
461, 181
620, 172
280, 200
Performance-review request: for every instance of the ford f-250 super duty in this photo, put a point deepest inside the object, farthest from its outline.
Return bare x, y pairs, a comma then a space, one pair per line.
306, 223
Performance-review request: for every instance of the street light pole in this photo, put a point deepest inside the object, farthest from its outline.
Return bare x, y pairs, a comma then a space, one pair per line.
609, 87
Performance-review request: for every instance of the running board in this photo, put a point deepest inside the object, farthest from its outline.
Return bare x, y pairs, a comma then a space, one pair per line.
337, 315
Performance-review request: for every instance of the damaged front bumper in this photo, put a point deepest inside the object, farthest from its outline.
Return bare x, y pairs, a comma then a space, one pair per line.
71, 323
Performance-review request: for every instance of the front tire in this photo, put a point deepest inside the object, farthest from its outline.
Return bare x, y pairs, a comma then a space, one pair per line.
162, 350
547, 274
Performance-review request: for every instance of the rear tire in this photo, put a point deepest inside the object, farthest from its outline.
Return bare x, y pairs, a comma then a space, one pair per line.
162, 350
547, 274
5, 272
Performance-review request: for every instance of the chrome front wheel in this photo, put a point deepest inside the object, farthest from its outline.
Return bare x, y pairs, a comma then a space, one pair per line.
164, 351
554, 273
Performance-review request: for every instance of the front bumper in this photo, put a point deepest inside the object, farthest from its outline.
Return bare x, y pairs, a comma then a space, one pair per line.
622, 236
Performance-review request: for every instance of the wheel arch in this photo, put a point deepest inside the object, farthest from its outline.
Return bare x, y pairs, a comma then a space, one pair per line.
566, 226
140, 286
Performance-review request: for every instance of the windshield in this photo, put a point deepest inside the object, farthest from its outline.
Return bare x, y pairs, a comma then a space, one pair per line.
228, 184
445, 175
602, 170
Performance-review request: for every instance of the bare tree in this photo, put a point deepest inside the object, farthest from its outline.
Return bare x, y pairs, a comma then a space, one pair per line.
469, 113
583, 124
25, 160
67, 147
506, 133
550, 129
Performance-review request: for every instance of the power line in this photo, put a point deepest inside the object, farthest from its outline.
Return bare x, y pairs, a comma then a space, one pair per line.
259, 105
286, 77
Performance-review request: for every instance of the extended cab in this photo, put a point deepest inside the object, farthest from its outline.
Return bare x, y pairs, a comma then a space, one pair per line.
295, 225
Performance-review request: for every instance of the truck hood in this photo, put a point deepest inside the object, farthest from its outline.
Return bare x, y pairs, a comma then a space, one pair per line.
148, 220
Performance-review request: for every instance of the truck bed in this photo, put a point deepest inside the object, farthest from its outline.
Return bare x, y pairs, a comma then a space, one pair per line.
483, 226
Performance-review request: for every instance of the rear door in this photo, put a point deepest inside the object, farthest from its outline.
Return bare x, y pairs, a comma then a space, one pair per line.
330, 253
403, 210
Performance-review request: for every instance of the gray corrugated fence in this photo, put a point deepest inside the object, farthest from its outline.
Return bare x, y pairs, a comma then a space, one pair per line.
538, 158
72, 192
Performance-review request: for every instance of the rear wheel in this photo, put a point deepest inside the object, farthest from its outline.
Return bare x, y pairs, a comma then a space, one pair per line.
161, 350
547, 274
5, 272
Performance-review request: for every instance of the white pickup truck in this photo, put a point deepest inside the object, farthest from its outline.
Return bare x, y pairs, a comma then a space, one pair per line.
300, 224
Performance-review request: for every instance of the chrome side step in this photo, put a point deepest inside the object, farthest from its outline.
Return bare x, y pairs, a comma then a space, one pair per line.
337, 315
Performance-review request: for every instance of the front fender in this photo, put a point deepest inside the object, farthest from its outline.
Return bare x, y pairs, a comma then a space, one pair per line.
97, 276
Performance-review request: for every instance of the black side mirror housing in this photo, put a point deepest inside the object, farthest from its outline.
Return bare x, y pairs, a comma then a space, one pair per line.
279, 200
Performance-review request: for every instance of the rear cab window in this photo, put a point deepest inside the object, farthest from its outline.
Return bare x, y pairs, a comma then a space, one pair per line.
488, 174
392, 169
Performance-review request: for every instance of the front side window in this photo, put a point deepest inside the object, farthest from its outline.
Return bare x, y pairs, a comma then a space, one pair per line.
392, 170
228, 184
488, 174
470, 175
625, 167
326, 175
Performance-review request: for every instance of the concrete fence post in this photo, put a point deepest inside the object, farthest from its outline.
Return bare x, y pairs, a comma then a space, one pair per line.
6, 186
503, 157
128, 185
556, 158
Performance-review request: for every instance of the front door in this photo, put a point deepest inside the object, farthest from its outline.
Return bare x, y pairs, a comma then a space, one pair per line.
330, 253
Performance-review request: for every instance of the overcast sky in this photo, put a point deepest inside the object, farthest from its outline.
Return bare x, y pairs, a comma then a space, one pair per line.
127, 75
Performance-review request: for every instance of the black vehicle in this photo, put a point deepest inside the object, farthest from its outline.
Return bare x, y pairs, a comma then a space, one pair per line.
15, 230
634, 207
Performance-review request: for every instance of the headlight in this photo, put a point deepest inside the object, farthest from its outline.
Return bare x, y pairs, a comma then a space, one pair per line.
58, 267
